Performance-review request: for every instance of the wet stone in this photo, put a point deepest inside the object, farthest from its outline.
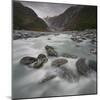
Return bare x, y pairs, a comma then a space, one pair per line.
59, 62
28, 60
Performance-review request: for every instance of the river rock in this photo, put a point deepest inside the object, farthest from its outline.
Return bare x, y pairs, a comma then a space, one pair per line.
67, 74
93, 51
17, 35
92, 64
83, 38
48, 78
82, 67
69, 55
28, 60
59, 62
49, 38
76, 39
50, 51
77, 45
79, 40
93, 41
41, 59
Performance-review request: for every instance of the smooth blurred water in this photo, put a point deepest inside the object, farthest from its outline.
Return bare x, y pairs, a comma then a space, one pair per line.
26, 81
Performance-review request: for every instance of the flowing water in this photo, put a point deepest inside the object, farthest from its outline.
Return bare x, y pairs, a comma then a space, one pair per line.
26, 82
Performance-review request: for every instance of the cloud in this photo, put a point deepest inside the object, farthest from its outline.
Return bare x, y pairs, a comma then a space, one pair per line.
46, 9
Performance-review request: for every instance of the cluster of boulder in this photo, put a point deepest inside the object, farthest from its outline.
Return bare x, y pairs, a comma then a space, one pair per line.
86, 34
41, 59
36, 62
83, 67
21, 35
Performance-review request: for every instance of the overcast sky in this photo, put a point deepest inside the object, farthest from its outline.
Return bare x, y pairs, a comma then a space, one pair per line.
46, 9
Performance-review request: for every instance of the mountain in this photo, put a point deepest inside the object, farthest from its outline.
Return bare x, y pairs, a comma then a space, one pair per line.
25, 18
75, 18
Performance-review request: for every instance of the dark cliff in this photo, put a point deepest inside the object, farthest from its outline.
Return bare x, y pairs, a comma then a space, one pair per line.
76, 18
26, 19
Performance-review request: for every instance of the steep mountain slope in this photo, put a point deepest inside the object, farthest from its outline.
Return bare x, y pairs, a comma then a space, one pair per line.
25, 18
75, 18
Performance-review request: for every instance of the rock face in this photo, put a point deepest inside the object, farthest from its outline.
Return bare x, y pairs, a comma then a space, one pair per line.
25, 18
41, 59
28, 60
82, 67
59, 62
75, 18
92, 64
50, 51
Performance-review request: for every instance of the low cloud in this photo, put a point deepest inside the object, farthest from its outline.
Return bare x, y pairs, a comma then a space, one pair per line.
46, 9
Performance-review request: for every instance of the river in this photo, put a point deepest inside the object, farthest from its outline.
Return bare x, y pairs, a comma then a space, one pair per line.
26, 81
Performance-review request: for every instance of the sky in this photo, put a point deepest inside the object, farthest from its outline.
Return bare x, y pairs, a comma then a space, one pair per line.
46, 9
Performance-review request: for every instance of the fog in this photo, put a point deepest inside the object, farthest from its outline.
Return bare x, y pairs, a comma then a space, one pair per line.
46, 9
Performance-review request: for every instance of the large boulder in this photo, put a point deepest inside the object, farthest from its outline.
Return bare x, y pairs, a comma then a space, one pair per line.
82, 67
28, 60
41, 59
92, 64
59, 62
50, 51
